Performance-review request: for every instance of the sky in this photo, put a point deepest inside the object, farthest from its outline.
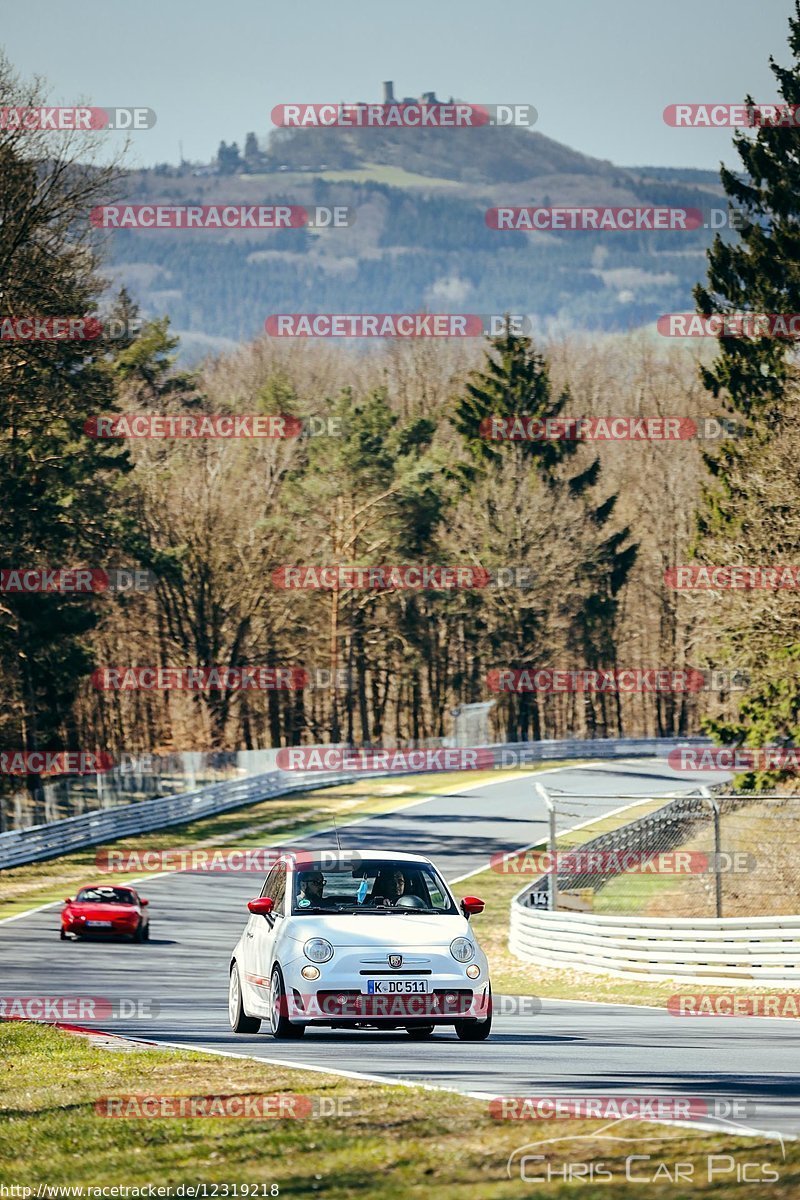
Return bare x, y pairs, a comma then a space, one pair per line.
599, 72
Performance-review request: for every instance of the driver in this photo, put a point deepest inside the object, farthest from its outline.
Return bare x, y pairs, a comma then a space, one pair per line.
310, 891
389, 887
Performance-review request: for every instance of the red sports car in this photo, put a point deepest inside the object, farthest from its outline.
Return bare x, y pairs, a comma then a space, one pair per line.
118, 911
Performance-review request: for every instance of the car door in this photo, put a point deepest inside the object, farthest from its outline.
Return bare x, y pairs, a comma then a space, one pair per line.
264, 930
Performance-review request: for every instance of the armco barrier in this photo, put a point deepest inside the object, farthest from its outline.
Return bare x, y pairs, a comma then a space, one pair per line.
761, 950
40, 842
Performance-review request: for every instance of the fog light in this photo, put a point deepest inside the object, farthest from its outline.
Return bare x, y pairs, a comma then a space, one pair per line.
451, 998
310, 972
473, 971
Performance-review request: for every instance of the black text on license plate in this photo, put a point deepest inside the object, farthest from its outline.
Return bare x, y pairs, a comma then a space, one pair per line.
396, 987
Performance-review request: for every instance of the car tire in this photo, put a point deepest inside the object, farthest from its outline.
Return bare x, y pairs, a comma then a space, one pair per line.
240, 1022
419, 1032
473, 1030
146, 933
280, 1026
139, 935
63, 935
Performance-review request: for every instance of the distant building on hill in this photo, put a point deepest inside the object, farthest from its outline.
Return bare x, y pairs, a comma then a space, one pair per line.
390, 98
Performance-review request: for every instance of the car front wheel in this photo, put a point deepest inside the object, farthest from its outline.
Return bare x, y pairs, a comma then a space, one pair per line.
279, 1023
240, 1022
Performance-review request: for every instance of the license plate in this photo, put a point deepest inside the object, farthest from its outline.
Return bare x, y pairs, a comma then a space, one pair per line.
396, 987
96, 924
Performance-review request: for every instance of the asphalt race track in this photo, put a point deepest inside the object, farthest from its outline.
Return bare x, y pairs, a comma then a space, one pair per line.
566, 1047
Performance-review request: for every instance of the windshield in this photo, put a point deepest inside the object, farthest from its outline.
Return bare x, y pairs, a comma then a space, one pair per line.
371, 887
105, 895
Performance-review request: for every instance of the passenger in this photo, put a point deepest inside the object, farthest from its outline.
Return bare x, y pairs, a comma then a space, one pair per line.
389, 887
310, 891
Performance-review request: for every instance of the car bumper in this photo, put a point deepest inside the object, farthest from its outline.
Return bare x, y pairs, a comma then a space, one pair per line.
339, 996
116, 929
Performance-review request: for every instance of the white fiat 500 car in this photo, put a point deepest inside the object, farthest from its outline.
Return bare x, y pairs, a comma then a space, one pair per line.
375, 940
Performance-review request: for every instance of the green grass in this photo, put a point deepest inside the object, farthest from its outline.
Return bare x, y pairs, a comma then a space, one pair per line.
394, 1142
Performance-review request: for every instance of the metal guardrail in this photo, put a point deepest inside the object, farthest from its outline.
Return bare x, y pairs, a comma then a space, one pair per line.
89, 829
41, 842
763, 950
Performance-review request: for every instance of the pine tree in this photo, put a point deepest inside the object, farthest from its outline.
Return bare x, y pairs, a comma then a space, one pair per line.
252, 154
759, 272
64, 494
516, 382
756, 378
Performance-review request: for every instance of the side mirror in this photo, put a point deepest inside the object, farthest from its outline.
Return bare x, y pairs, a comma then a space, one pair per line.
143, 902
262, 906
471, 906
68, 900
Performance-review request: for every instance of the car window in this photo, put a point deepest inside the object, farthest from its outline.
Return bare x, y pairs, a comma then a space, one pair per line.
106, 895
275, 887
371, 887
269, 884
279, 889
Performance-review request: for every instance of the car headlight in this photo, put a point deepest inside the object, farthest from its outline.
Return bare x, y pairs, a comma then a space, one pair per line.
318, 950
462, 949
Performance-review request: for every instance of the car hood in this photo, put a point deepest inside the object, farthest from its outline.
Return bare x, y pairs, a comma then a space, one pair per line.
387, 929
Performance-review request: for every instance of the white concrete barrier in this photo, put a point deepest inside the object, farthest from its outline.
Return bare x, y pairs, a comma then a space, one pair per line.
763, 950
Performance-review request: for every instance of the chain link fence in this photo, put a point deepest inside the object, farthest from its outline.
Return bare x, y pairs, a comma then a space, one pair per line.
699, 854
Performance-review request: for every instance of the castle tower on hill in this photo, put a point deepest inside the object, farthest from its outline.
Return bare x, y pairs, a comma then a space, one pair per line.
390, 98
